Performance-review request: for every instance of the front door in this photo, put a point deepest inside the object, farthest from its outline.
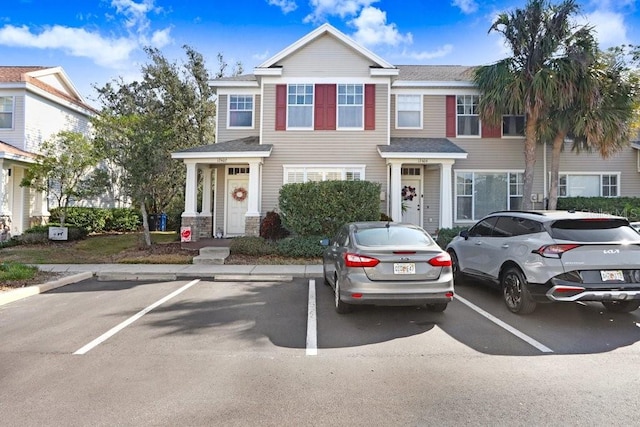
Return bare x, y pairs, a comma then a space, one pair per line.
411, 199
237, 200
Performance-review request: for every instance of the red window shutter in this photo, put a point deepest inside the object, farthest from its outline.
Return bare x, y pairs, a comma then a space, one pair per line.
491, 132
451, 116
325, 107
281, 107
318, 108
369, 107
331, 101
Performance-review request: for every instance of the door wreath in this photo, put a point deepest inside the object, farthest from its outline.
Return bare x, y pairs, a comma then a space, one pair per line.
239, 194
408, 192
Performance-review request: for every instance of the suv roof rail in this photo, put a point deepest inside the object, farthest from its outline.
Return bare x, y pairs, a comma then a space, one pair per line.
519, 211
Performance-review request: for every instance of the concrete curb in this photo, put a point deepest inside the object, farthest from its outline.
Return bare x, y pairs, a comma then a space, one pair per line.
17, 294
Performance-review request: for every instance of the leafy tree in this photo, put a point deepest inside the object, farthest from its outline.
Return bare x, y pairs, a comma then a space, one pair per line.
141, 123
541, 37
67, 170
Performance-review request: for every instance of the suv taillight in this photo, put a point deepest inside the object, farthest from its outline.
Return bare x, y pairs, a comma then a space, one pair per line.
354, 260
554, 251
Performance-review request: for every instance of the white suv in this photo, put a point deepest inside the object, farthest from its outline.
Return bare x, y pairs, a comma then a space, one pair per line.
548, 256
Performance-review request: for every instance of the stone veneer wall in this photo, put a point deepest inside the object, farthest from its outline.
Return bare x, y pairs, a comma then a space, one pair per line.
204, 227
252, 226
191, 221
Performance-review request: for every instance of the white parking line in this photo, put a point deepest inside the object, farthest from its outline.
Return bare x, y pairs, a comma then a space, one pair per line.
312, 334
505, 326
102, 338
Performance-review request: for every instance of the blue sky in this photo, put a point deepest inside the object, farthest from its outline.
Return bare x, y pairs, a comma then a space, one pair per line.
98, 40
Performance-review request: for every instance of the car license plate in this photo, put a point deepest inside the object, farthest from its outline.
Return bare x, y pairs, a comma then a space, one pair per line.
609, 275
404, 268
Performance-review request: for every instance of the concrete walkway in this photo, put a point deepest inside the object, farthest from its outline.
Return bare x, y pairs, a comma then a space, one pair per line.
73, 273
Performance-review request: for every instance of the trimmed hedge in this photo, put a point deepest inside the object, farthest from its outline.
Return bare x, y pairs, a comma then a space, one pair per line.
320, 208
622, 206
100, 220
301, 247
40, 233
446, 235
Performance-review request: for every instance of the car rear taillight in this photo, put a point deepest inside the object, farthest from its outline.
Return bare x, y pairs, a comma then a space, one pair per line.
554, 251
442, 260
355, 260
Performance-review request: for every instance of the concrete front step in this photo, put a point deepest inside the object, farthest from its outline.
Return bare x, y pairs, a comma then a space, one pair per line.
211, 255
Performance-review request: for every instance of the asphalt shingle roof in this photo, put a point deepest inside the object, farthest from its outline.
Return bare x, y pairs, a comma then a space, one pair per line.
421, 145
439, 73
250, 143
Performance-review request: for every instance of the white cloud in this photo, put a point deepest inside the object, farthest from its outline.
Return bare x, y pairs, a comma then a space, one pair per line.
161, 38
341, 8
135, 13
261, 56
285, 5
466, 6
441, 52
609, 26
373, 29
108, 52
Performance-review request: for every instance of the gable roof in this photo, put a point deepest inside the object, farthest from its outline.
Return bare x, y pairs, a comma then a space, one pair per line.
34, 76
315, 34
8, 151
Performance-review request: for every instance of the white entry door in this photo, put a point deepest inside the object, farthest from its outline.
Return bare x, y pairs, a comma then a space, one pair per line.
411, 200
237, 200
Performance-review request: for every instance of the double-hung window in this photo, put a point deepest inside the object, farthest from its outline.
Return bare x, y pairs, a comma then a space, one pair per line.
512, 125
322, 173
6, 112
468, 118
409, 111
350, 106
240, 111
588, 185
480, 193
300, 106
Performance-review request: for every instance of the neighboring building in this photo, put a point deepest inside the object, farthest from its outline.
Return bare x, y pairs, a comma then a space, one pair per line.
326, 108
35, 104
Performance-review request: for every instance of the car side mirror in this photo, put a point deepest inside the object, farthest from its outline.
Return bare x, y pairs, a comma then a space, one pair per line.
464, 234
325, 242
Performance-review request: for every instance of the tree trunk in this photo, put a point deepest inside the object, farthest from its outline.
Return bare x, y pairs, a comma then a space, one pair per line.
558, 140
530, 142
145, 225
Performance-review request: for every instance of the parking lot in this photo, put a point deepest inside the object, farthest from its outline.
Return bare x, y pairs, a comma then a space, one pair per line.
200, 352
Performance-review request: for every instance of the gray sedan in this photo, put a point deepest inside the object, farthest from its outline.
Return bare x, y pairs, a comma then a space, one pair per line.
386, 263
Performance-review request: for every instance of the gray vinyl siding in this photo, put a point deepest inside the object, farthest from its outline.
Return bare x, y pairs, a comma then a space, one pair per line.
430, 205
16, 135
433, 118
321, 148
226, 134
313, 61
219, 197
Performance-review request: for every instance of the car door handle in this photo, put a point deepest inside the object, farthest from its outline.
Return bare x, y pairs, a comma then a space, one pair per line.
505, 246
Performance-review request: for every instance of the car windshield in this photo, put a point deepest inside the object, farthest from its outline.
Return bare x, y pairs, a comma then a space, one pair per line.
593, 230
392, 236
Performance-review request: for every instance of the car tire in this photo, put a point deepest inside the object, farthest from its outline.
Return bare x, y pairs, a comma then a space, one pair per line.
621, 306
341, 306
458, 277
515, 293
438, 307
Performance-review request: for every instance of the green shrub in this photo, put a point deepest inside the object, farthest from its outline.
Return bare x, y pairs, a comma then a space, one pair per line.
300, 247
445, 235
623, 206
320, 208
16, 271
40, 233
385, 217
100, 220
251, 245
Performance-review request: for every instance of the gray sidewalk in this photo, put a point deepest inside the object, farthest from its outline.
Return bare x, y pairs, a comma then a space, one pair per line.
72, 273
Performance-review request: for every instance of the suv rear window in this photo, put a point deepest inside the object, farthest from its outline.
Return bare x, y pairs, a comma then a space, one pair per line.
593, 230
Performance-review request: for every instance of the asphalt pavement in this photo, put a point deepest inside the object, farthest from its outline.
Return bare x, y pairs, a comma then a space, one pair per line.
72, 273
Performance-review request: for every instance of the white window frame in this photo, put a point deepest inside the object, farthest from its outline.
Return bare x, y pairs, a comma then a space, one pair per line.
472, 194
339, 106
295, 105
324, 170
509, 135
601, 175
419, 110
12, 112
229, 110
466, 106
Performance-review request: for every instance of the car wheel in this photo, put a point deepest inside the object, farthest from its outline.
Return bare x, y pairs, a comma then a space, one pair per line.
621, 306
341, 306
515, 293
458, 277
437, 307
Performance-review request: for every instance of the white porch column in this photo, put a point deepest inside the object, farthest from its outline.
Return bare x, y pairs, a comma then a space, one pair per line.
206, 191
394, 192
446, 194
253, 196
191, 190
5, 210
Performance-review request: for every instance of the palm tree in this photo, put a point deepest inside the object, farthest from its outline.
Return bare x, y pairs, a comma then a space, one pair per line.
599, 118
541, 37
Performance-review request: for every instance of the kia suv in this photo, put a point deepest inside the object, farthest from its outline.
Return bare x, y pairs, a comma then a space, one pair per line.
552, 256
